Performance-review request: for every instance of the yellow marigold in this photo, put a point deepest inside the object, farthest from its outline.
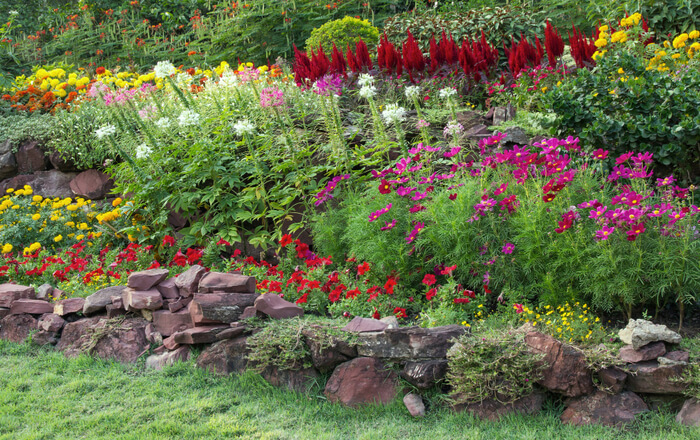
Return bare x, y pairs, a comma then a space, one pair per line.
117, 201
58, 238
37, 198
34, 246
693, 35
604, 28
36, 217
72, 207
601, 42
6, 249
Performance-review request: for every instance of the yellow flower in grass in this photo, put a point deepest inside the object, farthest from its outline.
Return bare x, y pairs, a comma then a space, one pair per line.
37, 198
34, 246
58, 238
116, 202
72, 208
36, 217
6, 249
693, 35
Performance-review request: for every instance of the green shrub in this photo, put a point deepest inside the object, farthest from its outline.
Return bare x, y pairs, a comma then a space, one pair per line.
342, 33
492, 365
642, 110
19, 128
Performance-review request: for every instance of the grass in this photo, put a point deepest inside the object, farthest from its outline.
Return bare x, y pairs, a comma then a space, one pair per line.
46, 396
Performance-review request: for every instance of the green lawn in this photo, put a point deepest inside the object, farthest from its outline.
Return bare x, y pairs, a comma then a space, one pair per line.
46, 396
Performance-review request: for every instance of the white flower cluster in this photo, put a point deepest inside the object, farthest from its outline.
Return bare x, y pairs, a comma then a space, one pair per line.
187, 118
393, 114
143, 151
365, 79
412, 92
367, 91
228, 79
447, 93
453, 128
163, 123
243, 127
105, 130
163, 69
13, 12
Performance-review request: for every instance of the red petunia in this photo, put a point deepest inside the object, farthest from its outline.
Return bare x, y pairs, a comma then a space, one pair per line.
400, 313
303, 298
376, 314
389, 285
168, 241
286, 240
431, 294
223, 242
363, 268
429, 279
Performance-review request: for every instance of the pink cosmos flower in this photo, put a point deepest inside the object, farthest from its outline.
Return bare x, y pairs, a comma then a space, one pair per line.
508, 248
604, 232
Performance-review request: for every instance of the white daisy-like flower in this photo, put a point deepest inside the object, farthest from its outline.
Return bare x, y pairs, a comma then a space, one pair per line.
393, 114
143, 151
105, 130
447, 92
365, 79
412, 92
187, 118
367, 92
163, 123
243, 127
163, 69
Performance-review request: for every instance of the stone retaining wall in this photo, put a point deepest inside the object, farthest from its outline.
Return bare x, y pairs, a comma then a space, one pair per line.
207, 309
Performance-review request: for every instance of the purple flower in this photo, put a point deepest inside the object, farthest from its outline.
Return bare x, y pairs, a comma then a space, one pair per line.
416, 229
508, 248
376, 214
604, 232
329, 85
453, 151
388, 225
271, 97
404, 191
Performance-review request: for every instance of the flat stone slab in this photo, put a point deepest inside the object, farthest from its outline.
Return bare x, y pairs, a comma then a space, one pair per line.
198, 335
277, 308
167, 323
226, 282
603, 409
31, 306
360, 325
219, 307
188, 281
409, 343
99, 300
67, 306
146, 279
140, 300
11, 292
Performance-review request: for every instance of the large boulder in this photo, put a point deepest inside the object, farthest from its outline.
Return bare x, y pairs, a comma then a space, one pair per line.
51, 322
566, 371
225, 357
92, 184
158, 361
409, 343
327, 352
121, 339
640, 332
98, 301
604, 409
16, 328
648, 352
52, 183
426, 374
8, 165
492, 409
360, 381
612, 379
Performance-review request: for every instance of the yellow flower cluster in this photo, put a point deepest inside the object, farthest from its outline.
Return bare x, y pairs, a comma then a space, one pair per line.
632, 20
672, 54
569, 322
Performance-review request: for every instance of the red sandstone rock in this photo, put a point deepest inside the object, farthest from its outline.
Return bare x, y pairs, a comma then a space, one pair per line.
650, 377
158, 361
11, 292
30, 158
678, 356
146, 279
226, 282
689, 415
359, 324
219, 307
327, 352
277, 308
124, 341
409, 343
70, 305
168, 289
299, 380
198, 335
492, 409
31, 306
139, 300
51, 322
4, 311
16, 328
167, 323
414, 405
567, 372
99, 300
251, 312
114, 311
170, 343
612, 379
604, 409
92, 184
225, 357
648, 352
424, 375
188, 281
360, 381
179, 304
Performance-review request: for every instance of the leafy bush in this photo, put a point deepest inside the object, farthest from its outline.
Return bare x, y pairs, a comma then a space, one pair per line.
499, 24
19, 128
492, 365
348, 31
631, 102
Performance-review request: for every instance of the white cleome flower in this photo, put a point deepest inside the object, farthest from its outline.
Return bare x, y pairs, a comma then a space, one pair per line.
367, 92
187, 118
105, 130
394, 114
13, 12
163, 123
365, 79
243, 127
412, 92
447, 92
163, 69
143, 151
228, 79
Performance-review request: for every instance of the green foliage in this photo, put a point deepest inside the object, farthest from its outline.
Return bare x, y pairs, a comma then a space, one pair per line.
498, 23
669, 17
493, 364
651, 110
279, 344
533, 123
344, 32
19, 128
